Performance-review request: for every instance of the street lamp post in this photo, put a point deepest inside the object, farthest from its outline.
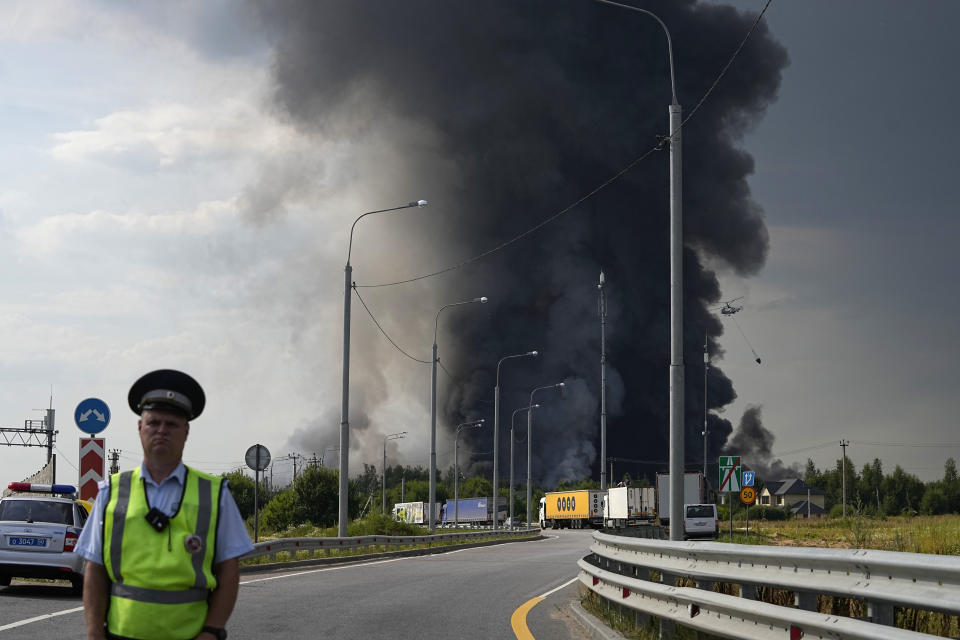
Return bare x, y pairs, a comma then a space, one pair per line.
706, 364
344, 513
383, 485
433, 410
496, 432
676, 285
456, 466
602, 310
559, 385
513, 417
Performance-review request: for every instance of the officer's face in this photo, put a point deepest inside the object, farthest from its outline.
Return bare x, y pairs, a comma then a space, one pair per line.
163, 435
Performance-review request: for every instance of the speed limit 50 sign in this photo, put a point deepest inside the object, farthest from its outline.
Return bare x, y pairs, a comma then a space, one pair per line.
748, 495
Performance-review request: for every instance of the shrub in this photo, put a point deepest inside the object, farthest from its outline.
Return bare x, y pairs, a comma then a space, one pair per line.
278, 514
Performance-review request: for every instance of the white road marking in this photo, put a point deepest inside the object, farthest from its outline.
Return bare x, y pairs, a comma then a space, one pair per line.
46, 616
555, 589
336, 568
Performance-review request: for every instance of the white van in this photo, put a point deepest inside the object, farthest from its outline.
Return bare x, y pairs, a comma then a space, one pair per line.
700, 521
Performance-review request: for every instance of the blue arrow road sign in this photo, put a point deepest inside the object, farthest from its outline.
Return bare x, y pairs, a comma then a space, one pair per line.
748, 478
92, 415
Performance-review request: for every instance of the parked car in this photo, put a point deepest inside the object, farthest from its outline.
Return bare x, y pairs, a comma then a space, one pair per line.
700, 521
38, 534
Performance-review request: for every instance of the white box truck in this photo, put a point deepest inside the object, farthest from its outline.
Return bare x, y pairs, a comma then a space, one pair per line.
630, 506
694, 492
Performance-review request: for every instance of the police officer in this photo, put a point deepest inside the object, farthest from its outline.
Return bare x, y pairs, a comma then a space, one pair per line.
163, 540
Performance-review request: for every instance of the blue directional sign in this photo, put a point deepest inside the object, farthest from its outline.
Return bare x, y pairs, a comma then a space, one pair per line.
748, 478
92, 415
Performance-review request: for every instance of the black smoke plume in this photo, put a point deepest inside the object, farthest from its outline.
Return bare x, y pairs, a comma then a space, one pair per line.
754, 444
506, 112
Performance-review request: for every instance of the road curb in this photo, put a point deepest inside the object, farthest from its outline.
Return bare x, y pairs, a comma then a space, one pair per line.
593, 625
363, 557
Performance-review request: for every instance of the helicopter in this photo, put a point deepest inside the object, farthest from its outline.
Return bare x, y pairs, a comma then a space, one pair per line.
728, 308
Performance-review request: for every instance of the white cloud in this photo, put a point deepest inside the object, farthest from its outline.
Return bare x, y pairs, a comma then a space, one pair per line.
57, 233
175, 134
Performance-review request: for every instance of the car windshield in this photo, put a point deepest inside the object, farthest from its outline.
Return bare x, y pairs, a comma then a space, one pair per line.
700, 511
36, 511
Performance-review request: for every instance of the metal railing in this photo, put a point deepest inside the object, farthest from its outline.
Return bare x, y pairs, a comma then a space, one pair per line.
291, 546
619, 570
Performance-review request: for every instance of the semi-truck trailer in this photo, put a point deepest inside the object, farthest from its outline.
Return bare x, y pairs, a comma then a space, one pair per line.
572, 509
694, 492
630, 506
415, 512
474, 510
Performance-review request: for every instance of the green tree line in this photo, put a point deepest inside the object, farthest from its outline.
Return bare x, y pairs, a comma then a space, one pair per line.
872, 492
313, 497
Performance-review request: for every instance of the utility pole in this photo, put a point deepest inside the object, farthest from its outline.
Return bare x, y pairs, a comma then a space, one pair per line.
843, 472
706, 365
114, 461
292, 457
602, 310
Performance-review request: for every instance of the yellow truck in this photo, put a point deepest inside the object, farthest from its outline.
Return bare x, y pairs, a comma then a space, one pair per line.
572, 509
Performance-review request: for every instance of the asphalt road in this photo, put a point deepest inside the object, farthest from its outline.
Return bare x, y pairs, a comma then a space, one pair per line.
464, 594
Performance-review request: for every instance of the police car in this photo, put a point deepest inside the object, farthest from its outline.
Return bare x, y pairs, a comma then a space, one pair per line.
38, 533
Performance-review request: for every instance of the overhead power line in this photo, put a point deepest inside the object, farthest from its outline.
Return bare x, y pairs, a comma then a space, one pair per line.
616, 176
723, 71
440, 364
65, 457
822, 445
905, 444
385, 335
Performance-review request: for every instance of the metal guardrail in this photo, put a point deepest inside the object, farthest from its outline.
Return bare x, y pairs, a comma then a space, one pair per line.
292, 545
619, 570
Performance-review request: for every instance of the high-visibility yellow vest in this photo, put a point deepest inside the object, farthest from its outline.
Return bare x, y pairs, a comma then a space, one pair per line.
160, 580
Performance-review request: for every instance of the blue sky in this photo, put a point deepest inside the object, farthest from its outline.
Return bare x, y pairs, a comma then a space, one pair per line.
131, 139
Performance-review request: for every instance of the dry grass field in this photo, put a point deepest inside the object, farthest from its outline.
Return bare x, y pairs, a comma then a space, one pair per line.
919, 534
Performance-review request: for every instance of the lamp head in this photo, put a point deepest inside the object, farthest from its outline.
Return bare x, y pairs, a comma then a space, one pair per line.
418, 203
532, 353
561, 384
481, 299
535, 406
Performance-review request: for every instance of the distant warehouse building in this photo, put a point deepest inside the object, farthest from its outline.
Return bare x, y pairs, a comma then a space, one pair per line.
793, 493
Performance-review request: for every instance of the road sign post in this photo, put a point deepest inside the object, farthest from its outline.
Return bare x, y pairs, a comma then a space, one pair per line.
747, 495
91, 416
91, 466
730, 481
258, 459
